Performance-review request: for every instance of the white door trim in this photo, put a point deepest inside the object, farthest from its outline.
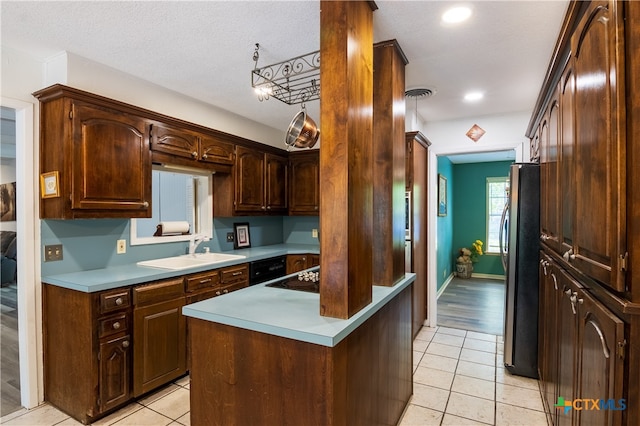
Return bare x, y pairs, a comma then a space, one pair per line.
28, 230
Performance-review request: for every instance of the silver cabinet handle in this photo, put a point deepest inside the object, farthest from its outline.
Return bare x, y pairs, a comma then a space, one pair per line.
555, 281
569, 255
116, 325
119, 301
194, 154
125, 344
205, 156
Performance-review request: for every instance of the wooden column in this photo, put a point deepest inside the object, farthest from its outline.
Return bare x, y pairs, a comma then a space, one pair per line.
346, 120
388, 163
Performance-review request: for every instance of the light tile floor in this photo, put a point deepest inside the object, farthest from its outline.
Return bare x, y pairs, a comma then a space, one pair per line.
458, 380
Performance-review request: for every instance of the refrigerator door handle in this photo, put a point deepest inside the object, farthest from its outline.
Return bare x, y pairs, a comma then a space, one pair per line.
503, 249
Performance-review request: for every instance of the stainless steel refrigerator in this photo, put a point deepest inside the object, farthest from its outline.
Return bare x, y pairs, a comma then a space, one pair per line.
520, 245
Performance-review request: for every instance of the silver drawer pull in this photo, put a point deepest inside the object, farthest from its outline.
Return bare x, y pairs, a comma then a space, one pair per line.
119, 301
235, 274
205, 281
125, 344
116, 325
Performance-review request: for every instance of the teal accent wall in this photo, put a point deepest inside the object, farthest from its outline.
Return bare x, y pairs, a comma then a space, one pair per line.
468, 195
91, 243
444, 226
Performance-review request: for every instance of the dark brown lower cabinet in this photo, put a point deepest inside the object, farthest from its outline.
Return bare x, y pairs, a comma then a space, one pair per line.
87, 350
581, 353
103, 349
115, 365
300, 262
159, 330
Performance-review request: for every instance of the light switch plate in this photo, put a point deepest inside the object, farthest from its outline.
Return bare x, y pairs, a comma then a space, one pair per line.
314, 233
121, 246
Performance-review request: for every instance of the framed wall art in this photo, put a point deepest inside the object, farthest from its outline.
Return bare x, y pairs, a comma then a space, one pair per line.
442, 195
8, 202
242, 238
49, 184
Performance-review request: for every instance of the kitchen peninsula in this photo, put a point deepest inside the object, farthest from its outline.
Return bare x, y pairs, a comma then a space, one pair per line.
265, 356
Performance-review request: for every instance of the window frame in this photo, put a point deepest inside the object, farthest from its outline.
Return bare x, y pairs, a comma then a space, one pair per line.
489, 214
203, 212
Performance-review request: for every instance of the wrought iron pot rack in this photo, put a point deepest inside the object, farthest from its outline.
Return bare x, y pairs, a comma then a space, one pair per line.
294, 81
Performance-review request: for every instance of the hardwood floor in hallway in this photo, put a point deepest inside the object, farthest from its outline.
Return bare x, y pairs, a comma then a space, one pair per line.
10, 369
475, 304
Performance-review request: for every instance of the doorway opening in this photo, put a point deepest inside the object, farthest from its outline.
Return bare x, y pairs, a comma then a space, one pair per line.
10, 365
471, 302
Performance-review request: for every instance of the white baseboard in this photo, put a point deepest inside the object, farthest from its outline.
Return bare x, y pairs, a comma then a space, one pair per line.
488, 276
473, 275
445, 284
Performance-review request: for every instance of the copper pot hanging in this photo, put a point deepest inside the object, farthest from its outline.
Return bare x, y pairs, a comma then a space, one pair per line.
302, 132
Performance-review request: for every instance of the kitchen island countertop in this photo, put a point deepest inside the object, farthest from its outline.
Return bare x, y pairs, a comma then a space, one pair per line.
119, 276
288, 313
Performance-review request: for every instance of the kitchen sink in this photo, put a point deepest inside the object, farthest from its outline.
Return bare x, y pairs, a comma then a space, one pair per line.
186, 261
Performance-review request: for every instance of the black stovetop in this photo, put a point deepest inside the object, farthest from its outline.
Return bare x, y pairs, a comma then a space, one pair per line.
295, 284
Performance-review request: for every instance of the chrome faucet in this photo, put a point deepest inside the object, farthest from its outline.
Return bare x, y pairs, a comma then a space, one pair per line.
195, 241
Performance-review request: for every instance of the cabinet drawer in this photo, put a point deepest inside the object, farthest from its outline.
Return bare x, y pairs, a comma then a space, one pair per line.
114, 300
158, 291
234, 274
199, 281
202, 295
113, 324
233, 287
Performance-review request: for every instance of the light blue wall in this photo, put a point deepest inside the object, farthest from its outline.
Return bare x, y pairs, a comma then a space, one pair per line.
91, 243
444, 225
469, 220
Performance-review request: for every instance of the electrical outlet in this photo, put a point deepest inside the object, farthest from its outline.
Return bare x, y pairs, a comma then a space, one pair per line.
314, 233
121, 246
230, 237
53, 253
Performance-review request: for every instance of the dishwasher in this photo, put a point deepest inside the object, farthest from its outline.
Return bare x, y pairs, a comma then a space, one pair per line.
267, 269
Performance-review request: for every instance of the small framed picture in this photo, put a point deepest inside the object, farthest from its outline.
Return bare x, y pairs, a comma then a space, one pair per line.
242, 238
49, 187
442, 195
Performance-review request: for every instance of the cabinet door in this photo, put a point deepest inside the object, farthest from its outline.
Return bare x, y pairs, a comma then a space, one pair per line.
159, 356
276, 183
215, 151
249, 180
548, 337
304, 196
111, 165
549, 183
314, 260
174, 141
115, 372
567, 172
296, 263
601, 335
600, 220
567, 322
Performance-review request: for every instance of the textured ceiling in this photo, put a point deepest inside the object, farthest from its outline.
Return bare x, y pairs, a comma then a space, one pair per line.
204, 49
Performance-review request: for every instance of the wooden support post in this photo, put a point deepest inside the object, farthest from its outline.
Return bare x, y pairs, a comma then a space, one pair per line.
346, 120
388, 163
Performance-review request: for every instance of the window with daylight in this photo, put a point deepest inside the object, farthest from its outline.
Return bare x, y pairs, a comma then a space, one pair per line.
497, 197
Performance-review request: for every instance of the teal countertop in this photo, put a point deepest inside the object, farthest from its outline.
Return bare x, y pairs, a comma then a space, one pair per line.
288, 313
119, 276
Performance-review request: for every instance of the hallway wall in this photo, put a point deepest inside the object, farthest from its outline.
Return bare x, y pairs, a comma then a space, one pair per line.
468, 195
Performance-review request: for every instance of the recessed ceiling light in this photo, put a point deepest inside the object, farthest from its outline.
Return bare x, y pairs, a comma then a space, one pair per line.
473, 96
456, 15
